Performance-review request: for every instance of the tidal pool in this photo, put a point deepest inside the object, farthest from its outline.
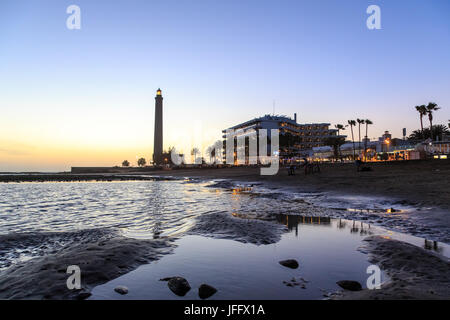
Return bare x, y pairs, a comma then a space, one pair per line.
228, 235
326, 249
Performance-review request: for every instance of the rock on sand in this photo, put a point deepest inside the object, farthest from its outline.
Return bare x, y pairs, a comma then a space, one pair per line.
180, 286
349, 285
121, 289
290, 263
205, 291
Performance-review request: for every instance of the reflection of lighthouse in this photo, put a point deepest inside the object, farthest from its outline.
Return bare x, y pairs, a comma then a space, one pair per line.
158, 138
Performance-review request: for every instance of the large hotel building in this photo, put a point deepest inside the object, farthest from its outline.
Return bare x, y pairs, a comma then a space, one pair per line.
305, 136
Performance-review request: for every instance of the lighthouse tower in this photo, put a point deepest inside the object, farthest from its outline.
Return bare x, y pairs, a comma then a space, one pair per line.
158, 137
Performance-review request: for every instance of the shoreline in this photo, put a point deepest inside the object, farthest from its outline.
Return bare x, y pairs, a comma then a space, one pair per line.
419, 183
69, 177
413, 270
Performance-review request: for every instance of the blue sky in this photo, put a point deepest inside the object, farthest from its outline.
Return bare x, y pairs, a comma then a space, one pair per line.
86, 97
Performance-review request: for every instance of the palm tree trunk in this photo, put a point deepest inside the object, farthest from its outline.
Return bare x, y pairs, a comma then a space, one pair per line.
353, 141
339, 147
421, 125
430, 117
365, 142
359, 139
431, 129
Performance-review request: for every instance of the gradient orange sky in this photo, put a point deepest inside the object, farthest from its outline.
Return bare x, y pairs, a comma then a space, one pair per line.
86, 97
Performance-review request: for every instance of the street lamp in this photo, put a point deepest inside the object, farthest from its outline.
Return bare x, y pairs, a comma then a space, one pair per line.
387, 142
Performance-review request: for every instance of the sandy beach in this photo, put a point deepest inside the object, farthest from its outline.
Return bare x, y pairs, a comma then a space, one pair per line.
415, 273
422, 183
107, 259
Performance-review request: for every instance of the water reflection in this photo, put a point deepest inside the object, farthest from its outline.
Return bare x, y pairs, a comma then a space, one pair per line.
432, 245
292, 221
358, 227
241, 190
156, 204
359, 210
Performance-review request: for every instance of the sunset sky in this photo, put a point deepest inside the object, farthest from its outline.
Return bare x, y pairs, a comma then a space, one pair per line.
86, 97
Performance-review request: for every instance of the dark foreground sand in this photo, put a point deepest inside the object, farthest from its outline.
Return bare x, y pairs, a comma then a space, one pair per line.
45, 278
415, 272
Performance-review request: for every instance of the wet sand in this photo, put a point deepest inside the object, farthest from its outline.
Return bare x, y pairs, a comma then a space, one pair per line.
415, 273
420, 183
100, 262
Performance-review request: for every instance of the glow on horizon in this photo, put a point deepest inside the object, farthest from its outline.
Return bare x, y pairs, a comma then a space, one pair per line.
86, 97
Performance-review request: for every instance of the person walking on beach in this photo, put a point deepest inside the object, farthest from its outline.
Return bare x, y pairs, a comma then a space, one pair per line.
291, 169
358, 164
306, 165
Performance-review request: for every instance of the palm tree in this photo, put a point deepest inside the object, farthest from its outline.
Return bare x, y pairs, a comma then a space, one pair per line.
367, 122
194, 152
213, 154
352, 123
422, 111
430, 108
339, 127
141, 162
336, 143
360, 122
211, 151
438, 131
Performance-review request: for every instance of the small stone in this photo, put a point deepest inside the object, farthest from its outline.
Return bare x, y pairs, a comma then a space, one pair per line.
349, 285
205, 291
179, 286
121, 289
290, 263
